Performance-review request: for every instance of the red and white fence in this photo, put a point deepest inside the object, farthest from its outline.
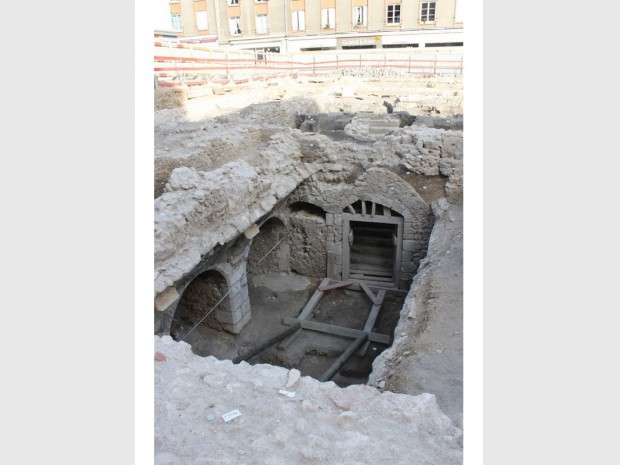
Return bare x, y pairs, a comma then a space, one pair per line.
182, 64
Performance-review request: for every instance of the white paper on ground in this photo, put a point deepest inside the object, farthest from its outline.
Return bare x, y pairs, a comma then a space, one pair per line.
231, 415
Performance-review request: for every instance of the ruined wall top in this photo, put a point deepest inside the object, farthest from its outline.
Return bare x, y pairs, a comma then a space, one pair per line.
219, 176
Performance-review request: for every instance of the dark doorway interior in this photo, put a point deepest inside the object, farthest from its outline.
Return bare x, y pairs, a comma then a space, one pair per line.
373, 250
198, 300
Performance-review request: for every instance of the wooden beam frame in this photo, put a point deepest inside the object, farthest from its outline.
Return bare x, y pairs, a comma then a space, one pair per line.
338, 330
305, 312
335, 285
314, 300
372, 318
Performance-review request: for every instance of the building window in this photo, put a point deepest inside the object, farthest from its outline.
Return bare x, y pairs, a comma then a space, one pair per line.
261, 24
299, 20
233, 2
359, 16
328, 18
177, 24
427, 12
235, 25
201, 21
393, 14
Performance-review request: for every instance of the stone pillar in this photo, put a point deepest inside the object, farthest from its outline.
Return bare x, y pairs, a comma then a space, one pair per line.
238, 314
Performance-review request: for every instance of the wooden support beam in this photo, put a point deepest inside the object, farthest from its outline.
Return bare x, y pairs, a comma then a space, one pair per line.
372, 318
363, 207
376, 286
350, 208
374, 298
370, 219
362, 277
338, 330
340, 361
374, 312
314, 300
335, 285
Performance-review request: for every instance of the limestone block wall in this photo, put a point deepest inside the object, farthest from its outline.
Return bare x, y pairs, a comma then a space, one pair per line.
307, 235
433, 151
430, 146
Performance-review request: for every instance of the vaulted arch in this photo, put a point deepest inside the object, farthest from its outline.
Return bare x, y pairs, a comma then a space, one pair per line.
203, 299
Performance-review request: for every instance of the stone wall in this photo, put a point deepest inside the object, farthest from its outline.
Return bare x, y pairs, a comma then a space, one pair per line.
382, 187
260, 260
307, 235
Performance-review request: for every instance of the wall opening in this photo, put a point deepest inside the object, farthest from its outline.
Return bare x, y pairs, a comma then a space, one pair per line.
372, 250
372, 244
306, 209
198, 299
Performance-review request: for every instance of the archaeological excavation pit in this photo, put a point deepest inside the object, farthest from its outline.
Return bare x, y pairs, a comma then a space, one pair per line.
331, 223
308, 240
316, 284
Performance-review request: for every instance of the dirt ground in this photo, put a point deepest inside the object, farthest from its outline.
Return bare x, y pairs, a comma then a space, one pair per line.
429, 95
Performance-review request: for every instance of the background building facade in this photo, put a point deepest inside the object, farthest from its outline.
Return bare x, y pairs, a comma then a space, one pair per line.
309, 25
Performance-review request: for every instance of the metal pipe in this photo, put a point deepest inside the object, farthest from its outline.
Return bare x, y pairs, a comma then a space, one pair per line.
278, 337
346, 355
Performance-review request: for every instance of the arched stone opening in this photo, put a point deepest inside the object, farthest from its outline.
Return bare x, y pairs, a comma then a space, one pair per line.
306, 209
205, 296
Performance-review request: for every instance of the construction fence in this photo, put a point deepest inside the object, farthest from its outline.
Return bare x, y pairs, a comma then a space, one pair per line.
181, 64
